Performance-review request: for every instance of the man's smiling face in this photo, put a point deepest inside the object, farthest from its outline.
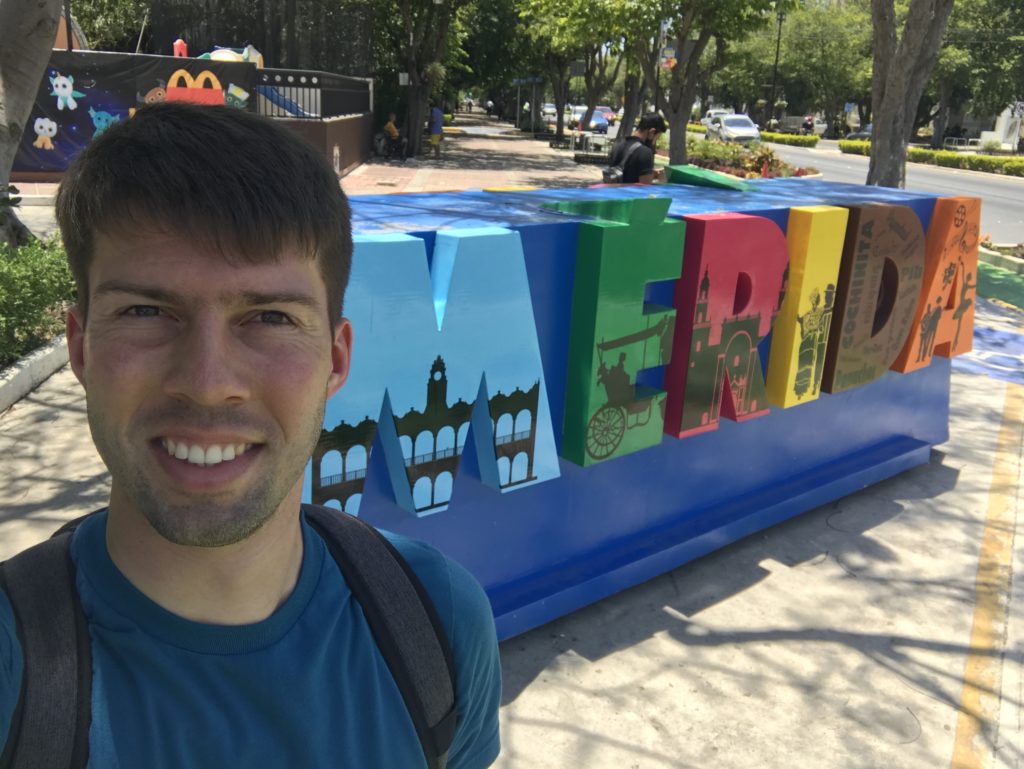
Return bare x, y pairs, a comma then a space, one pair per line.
206, 379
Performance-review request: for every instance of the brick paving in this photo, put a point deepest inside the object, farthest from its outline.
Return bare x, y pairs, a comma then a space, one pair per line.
475, 160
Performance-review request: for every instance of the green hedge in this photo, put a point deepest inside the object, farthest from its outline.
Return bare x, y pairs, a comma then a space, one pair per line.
35, 289
697, 128
855, 146
993, 164
794, 139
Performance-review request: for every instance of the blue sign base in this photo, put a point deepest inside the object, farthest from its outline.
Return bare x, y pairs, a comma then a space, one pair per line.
547, 548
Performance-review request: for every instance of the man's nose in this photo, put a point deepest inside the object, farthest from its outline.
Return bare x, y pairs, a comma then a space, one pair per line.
208, 366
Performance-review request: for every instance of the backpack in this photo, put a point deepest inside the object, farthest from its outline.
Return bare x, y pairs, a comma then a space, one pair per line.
613, 174
50, 725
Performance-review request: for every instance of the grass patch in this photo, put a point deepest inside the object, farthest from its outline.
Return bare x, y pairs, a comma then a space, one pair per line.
997, 283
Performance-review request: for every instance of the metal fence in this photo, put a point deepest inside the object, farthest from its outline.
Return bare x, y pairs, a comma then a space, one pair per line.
311, 95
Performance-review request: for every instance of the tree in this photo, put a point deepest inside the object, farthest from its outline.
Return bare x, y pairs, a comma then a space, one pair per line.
826, 47
425, 24
693, 26
557, 44
113, 25
28, 29
900, 71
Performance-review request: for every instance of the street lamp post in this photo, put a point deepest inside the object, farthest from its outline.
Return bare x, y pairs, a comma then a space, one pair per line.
775, 72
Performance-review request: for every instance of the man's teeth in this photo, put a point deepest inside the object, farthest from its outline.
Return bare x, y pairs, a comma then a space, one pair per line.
211, 455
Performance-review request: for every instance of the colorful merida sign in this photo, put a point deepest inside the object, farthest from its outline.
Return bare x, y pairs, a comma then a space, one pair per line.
675, 323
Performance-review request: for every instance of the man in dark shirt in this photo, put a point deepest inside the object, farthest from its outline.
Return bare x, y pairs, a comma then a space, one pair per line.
638, 163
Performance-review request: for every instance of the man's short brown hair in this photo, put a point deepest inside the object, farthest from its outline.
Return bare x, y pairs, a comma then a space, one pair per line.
240, 185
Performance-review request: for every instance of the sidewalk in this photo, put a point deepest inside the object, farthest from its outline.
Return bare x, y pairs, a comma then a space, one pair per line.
882, 630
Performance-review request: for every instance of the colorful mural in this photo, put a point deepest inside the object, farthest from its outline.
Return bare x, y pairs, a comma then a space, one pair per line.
85, 92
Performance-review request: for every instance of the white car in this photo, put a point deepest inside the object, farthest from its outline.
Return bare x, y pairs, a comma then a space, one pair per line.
733, 128
711, 114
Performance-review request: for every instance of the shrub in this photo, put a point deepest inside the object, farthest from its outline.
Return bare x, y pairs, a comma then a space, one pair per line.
920, 155
697, 128
35, 290
992, 145
793, 139
948, 159
1014, 167
855, 147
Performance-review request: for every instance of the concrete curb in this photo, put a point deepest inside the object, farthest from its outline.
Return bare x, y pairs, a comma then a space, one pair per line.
1003, 261
21, 378
37, 200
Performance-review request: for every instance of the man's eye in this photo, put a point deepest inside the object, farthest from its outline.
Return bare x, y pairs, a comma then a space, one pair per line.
275, 318
142, 311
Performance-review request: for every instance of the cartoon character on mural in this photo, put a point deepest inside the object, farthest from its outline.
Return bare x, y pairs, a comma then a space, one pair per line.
102, 120
155, 94
64, 89
236, 97
45, 130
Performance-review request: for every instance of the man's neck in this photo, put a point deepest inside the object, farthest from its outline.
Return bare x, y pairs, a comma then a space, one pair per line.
231, 585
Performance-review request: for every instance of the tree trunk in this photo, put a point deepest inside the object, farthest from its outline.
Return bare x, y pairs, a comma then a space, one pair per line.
28, 29
899, 76
558, 72
941, 121
292, 44
633, 97
677, 102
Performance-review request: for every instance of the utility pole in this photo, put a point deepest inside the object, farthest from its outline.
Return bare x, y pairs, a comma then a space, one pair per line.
775, 73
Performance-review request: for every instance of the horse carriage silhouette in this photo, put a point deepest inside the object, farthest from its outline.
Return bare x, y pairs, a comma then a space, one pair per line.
622, 411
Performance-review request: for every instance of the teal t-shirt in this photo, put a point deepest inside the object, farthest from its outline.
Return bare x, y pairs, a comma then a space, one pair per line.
305, 687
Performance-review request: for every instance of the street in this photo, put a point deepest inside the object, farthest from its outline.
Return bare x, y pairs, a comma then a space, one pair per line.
1002, 207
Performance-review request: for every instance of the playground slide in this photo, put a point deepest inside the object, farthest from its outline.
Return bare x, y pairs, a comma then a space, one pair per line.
274, 96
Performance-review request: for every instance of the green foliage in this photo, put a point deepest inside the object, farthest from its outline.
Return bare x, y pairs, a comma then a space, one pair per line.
1007, 166
35, 289
112, 25
997, 283
855, 147
793, 139
824, 62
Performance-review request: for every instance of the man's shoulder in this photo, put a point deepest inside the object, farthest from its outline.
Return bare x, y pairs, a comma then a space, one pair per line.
466, 614
454, 591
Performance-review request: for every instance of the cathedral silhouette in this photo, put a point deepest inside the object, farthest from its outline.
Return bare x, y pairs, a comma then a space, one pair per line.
353, 442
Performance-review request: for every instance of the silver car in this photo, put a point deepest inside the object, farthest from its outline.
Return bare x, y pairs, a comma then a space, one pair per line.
733, 128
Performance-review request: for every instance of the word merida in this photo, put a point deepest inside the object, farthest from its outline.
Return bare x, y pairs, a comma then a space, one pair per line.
675, 323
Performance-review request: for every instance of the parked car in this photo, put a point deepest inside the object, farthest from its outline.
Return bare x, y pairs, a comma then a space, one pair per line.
863, 133
711, 114
548, 110
598, 122
608, 112
733, 128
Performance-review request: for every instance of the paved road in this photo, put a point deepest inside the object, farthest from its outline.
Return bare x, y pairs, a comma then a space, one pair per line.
1002, 208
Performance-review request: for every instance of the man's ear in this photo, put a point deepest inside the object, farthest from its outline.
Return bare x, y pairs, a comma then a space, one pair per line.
75, 330
341, 354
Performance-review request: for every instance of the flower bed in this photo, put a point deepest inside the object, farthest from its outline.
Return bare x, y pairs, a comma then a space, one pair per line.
754, 162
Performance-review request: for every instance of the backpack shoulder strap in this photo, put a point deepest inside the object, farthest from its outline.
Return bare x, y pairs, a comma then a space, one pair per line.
50, 725
403, 621
629, 151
